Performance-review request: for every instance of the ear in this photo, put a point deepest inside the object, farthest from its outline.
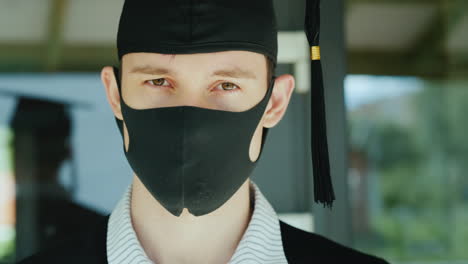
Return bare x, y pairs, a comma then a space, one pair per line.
112, 91
279, 100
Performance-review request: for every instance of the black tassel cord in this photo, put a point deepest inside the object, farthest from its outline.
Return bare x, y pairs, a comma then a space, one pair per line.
323, 188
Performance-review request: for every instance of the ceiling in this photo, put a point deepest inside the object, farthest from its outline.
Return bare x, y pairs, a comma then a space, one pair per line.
407, 37
389, 37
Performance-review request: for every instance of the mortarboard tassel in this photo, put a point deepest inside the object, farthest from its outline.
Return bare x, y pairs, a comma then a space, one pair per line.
323, 188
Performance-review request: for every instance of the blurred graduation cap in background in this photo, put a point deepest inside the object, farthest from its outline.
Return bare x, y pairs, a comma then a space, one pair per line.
45, 117
39, 112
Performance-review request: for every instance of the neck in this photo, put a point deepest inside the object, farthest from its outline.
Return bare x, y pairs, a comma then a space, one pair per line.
211, 238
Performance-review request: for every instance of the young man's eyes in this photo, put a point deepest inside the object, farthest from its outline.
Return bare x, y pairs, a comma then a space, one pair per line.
159, 82
225, 86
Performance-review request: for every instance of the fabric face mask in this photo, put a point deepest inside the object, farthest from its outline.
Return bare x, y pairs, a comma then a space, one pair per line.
190, 157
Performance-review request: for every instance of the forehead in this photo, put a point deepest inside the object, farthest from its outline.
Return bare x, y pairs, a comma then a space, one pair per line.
245, 60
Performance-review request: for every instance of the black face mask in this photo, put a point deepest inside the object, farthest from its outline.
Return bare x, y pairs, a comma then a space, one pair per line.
190, 157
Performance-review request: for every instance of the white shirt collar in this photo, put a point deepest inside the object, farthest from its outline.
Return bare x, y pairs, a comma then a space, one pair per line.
261, 242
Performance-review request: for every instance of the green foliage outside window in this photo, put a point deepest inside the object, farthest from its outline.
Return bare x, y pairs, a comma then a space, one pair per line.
7, 240
417, 147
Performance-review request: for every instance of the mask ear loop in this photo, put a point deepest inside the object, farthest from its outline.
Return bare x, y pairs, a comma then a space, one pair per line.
118, 79
266, 129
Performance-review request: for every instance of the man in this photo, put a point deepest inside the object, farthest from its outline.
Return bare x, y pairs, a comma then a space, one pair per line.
42, 132
194, 98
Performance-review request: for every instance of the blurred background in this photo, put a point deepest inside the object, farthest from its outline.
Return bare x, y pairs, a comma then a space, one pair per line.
396, 73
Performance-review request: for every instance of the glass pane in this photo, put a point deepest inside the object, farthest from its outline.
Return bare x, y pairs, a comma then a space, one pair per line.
40, 163
7, 199
408, 158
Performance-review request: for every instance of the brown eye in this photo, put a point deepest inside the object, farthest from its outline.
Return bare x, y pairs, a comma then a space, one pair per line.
228, 86
158, 82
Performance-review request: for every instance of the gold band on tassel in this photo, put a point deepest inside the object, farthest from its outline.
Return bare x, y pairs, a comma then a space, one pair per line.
315, 52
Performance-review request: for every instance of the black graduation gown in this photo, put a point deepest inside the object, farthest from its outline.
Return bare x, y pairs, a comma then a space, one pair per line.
300, 247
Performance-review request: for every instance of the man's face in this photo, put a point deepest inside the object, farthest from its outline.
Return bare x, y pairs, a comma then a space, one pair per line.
229, 81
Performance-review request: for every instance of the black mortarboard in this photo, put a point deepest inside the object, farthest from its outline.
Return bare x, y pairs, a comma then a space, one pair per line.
187, 26
42, 114
45, 117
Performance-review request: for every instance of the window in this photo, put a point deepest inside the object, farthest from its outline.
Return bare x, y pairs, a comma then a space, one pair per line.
407, 167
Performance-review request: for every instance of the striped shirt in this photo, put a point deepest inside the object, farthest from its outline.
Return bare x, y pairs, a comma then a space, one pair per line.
261, 242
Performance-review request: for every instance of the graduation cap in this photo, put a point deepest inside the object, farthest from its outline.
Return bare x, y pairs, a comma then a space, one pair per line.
186, 27
45, 117
42, 114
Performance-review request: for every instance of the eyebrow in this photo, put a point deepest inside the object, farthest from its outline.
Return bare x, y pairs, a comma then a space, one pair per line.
235, 72
151, 70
